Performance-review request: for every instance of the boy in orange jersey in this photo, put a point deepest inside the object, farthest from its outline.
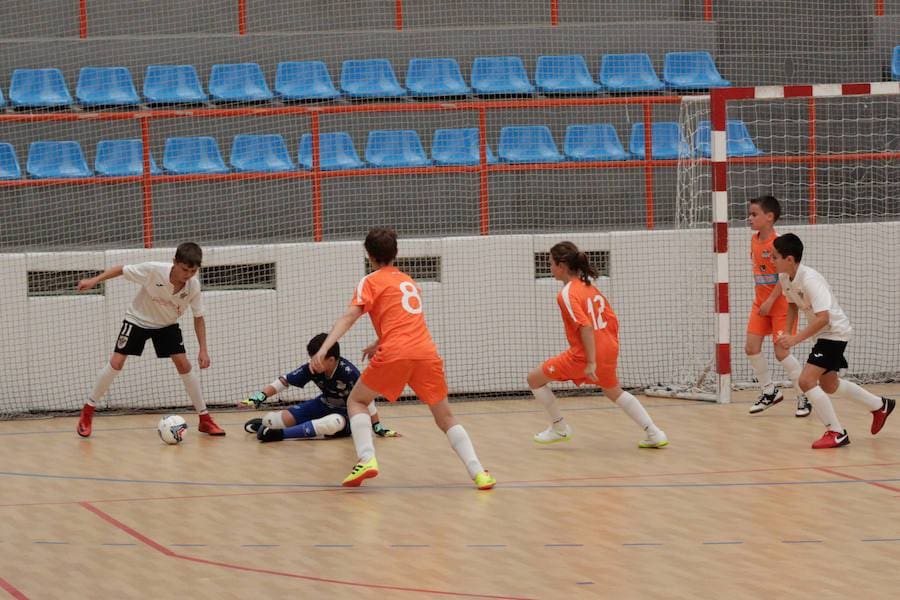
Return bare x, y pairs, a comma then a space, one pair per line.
769, 313
592, 330
404, 353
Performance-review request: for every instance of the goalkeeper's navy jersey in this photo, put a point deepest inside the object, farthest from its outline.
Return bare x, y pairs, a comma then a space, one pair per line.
335, 388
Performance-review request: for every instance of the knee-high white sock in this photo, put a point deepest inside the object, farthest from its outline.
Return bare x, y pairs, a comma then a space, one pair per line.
462, 445
636, 411
823, 409
361, 429
192, 387
848, 389
761, 369
792, 368
101, 384
546, 398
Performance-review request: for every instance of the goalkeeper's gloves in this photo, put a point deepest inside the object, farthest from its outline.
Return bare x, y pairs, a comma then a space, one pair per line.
254, 400
382, 431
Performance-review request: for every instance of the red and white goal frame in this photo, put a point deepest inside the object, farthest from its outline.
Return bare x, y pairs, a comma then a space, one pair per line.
719, 99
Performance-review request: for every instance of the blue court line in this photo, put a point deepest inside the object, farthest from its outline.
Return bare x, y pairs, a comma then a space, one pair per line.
584, 583
643, 544
409, 546
502, 486
188, 545
122, 544
332, 545
49, 542
801, 541
485, 545
259, 545
725, 543
240, 424
563, 545
881, 540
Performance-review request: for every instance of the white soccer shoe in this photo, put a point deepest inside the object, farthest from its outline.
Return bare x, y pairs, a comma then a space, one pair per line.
654, 440
551, 435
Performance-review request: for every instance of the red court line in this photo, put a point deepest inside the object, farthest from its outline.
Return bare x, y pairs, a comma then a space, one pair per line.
846, 476
160, 548
11, 590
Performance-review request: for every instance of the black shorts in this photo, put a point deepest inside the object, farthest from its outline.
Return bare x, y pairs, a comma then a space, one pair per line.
829, 355
166, 341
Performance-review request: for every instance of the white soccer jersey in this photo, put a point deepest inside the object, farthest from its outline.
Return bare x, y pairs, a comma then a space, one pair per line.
812, 294
157, 304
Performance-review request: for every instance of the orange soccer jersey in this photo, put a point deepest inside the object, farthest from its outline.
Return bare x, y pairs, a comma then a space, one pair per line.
581, 305
406, 353
765, 278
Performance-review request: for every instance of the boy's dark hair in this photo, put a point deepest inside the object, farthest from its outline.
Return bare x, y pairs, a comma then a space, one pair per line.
768, 204
381, 244
315, 345
189, 254
567, 253
789, 245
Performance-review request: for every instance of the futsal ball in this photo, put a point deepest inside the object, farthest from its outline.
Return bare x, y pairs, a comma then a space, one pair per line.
172, 429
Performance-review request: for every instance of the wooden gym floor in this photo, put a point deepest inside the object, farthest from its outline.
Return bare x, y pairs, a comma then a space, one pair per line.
737, 506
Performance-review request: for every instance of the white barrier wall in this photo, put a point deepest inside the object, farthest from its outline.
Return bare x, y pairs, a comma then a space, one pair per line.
492, 320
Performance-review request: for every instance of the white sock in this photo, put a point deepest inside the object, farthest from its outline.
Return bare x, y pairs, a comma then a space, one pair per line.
545, 396
761, 369
823, 409
636, 411
847, 389
192, 387
101, 384
361, 429
462, 445
792, 367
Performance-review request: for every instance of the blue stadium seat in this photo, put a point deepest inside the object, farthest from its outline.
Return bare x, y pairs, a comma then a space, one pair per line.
56, 159
336, 152
458, 147
188, 155
395, 148
39, 88
668, 141
500, 75
122, 158
692, 71
895, 63
528, 144
597, 141
306, 80
629, 73
240, 82
739, 142
564, 75
173, 84
2, 99
373, 78
106, 86
9, 163
260, 153
435, 77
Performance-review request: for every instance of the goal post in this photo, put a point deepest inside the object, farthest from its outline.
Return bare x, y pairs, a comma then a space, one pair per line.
830, 153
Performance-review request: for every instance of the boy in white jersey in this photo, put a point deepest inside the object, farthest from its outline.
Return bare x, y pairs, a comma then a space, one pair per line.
167, 290
806, 290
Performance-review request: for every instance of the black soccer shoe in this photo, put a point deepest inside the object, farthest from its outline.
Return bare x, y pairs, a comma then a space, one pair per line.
267, 434
253, 425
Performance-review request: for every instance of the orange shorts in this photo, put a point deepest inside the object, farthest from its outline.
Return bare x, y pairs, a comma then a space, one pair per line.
425, 377
568, 367
773, 324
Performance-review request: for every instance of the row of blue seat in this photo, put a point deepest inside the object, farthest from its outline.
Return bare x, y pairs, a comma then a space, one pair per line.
392, 148
310, 80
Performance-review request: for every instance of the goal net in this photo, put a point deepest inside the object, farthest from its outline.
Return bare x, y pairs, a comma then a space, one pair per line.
829, 154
